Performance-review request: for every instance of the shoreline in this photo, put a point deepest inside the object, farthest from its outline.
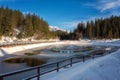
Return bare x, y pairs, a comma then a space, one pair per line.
24, 48
17, 49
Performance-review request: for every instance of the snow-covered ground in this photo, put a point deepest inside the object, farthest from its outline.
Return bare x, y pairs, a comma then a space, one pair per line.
102, 68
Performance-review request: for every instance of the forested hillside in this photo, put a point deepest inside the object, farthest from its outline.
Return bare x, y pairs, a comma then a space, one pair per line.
14, 23
107, 28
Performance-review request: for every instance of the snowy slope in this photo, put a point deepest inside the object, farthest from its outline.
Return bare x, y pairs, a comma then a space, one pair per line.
103, 68
12, 50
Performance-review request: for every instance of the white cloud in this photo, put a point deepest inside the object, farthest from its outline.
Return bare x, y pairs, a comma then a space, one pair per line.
70, 25
104, 5
27, 12
107, 5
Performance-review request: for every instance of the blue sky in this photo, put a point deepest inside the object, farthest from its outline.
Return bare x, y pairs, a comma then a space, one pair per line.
66, 14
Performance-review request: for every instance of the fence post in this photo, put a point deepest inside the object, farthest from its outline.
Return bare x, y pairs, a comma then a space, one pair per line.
1, 78
71, 62
83, 58
102, 54
38, 72
57, 66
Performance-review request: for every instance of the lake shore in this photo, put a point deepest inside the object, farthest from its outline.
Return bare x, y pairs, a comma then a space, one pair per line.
18, 49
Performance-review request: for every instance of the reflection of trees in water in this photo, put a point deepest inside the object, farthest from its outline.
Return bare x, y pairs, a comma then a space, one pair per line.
28, 61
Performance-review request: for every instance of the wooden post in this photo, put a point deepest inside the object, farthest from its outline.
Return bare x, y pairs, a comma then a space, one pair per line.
83, 58
93, 56
38, 72
109, 52
71, 62
102, 54
57, 66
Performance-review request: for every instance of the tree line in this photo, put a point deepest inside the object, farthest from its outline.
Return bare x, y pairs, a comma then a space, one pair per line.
31, 25
107, 28
28, 25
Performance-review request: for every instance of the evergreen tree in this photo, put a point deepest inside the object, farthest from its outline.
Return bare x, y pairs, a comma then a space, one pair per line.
28, 26
89, 30
107, 28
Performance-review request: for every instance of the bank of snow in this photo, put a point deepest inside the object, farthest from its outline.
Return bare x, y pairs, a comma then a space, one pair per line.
12, 50
114, 42
102, 68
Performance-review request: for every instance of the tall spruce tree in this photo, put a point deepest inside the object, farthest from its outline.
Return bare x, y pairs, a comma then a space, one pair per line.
28, 26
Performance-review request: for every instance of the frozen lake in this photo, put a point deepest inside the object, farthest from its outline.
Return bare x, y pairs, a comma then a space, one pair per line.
50, 53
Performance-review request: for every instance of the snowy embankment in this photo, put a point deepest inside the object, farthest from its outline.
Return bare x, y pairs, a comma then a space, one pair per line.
12, 50
102, 68
114, 42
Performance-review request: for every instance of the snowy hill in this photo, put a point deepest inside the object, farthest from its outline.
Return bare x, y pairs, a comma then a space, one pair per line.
56, 28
